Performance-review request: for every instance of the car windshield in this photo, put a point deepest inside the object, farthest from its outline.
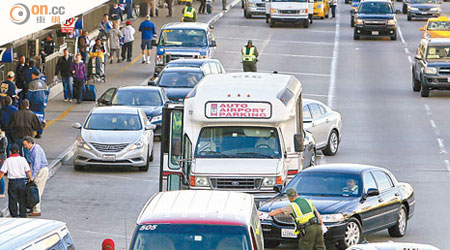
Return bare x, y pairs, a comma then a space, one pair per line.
424, 1
180, 79
113, 122
327, 184
375, 8
183, 38
190, 237
138, 97
438, 25
238, 142
438, 53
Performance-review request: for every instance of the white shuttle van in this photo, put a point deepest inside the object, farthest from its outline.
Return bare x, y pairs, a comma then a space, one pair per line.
235, 132
293, 11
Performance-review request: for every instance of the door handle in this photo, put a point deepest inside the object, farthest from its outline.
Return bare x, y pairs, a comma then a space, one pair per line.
380, 200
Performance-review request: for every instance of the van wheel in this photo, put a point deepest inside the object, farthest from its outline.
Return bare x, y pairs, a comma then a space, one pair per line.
399, 229
394, 37
333, 144
271, 243
415, 83
306, 23
409, 18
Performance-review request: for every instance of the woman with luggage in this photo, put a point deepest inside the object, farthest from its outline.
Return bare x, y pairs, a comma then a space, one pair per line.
79, 78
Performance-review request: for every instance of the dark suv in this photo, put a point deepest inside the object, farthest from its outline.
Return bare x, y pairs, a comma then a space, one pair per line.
375, 18
431, 68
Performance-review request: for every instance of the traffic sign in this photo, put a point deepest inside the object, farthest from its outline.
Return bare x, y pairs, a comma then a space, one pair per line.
69, 25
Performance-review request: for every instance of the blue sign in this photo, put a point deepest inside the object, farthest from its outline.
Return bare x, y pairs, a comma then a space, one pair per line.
6, 54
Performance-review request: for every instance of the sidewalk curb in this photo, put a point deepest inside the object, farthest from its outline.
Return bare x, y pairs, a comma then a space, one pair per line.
222, 13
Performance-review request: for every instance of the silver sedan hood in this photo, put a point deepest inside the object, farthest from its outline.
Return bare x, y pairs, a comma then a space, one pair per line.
111, 136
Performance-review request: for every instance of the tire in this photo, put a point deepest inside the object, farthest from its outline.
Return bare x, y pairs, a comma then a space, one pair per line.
78, 167
151, 156
306, 23
146, 167
352, 22
399, 229
409, 18
242, 4
322, 17
353, 234
424, 91
327, 15
271, 243
267, 19
355, 36
394, 37
415, 83
333, 143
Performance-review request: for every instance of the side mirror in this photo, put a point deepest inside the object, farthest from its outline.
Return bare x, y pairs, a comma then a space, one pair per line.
422, 28
76, 125
418, 57
372, 192
150, 127
151, 82
398, 12
213, 43
298, 143
154, 42
277, 188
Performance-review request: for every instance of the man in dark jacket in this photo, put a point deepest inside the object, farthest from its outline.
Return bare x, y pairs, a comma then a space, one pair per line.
24, 123
28, 77
19, 72
64, 66
8, 88
6, 112
47, 47
115, 13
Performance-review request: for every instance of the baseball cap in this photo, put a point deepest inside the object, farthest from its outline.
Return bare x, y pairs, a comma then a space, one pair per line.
128, 22
36, 72
108, 244
291, 192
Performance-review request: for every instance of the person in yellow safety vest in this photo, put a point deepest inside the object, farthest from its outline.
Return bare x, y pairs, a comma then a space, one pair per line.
189, 14
307, 219
249, 57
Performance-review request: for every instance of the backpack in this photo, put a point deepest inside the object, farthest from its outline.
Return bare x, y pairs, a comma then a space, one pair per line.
32, 195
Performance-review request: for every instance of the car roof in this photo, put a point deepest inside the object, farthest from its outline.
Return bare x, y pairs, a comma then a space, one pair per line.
193, 61
441, 18
115, 110
198, 207
16, 232
368, 1
139, 88
182, 69
186, 25
345, 168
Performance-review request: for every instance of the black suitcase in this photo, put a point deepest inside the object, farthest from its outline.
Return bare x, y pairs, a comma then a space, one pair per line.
32, 195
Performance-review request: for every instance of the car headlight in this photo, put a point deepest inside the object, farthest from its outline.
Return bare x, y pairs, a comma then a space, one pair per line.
332, 218
391, 22
435, 9
201, 181
358, 21
264, 216
303, 11
156, 118
430, 70
160, 59
274, 11
269, 181
83, 144
412, 8
251, 4
137, 145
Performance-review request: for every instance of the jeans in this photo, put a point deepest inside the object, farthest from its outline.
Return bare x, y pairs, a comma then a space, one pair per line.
68, 87
17, 194
333, 10
2, 186
84, 56
129, 11
22, 150
78, 89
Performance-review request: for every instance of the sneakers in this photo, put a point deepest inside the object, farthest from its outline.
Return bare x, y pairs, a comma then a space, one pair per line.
148, 60
35, 214
111, 62
66, 100
70, 100
144, 59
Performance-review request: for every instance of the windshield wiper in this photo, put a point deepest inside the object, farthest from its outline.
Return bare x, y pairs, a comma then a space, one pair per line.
214, 152
255, 153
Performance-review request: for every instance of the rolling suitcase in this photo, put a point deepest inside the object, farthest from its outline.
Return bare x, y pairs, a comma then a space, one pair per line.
32, 195
89, 92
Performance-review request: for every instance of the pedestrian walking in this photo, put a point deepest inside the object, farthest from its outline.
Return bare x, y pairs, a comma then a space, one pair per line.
114, 42
105, 26
249, 57
64, 67
37, 83
6, 112
79, 78
128, 38
224, 4
169, 7
83, 45
108, 244
24, 123
129, 9
28, 77
3, 155
202, 8
148, 31
19, 75
308, 222
18, 170
39, 169
189, 14
151, 8
333, 4
47, 47
8, 88
115, 13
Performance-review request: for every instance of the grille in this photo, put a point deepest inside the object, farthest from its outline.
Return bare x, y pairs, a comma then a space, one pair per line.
260, 5
424, 9
235, 183
175, 57
289, 11
284, 219
110, 148
445, 70
374, 22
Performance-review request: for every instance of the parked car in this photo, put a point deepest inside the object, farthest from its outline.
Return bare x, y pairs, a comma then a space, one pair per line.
21, 233
254, 7
149, 98
324, 124
422, 8
392, 245
431, 66
375, 18
198, 219
352, 199
114, 136
209, 66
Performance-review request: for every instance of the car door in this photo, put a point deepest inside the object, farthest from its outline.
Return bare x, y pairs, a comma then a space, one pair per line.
319, 127
107, 97
390, 198
370, 206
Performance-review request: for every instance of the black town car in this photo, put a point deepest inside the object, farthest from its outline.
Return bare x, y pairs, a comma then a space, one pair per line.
375, 18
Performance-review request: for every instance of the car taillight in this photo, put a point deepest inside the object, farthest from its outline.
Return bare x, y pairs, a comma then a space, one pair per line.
192, 181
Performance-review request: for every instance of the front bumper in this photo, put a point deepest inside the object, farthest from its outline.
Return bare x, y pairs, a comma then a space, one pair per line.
134, 158
375, 30
423, 14
256, 10
289, 18
440, 82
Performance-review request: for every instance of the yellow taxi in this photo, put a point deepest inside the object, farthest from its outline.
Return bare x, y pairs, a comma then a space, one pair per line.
321, 8
437, 28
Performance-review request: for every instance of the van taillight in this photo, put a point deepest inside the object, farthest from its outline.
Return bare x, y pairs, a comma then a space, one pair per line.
192, 181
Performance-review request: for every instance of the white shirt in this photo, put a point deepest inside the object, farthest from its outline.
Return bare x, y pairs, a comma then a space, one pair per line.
128, 33
16, 167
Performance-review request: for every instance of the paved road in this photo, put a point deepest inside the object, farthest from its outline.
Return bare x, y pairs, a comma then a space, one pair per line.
368, 81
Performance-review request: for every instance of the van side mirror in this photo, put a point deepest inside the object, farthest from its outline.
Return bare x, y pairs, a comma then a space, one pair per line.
76, 125
277, 188
154, 42
422, 28
213, 43
298, 143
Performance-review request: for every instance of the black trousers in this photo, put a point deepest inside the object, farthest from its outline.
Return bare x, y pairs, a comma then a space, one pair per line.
202, 7
17, 195
169, 6
127, 49
78, 89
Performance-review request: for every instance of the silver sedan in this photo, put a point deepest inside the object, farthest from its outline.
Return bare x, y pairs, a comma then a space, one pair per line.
325, 125
114, 136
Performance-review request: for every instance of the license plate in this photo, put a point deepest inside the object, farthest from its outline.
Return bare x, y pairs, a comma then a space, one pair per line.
109, 157
424, 13
288, 233
375, 33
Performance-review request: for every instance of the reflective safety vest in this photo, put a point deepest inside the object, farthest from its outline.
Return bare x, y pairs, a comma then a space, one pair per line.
250, 57
303, 210
189, 12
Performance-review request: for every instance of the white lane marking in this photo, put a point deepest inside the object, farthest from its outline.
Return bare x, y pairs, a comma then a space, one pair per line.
276, 54
98, 233
264, 27
435, 128
410, 59
124, 178
427, 109
275, 41
265, 43
314, 95
401, 35
407, 51
442, 146
282, 72
447, 163
334, 62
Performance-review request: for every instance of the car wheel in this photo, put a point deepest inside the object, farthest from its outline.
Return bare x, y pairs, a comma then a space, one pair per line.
424, 91
399, 229
409, 17
267, 19
78, 167
306, 24
271, 243
333, 144
394, 36
327, 15
145, 168
352, 234
151, 156
355, 36
415, 83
